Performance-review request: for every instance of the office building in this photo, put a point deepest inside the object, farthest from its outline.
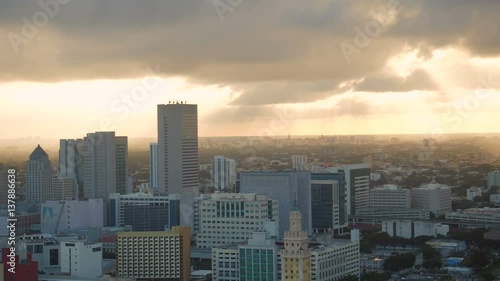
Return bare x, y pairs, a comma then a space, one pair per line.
357, 178
328, 202
493, 179
121, 144
255, 260
81, 259
4, 184
433, 196
71, 154
64, 188
299, 162
99, 165
223, 173
285, 187
390, 196
473, 192
296, 255
229, 218
159, 255
178, 148
153, 166
144, 212
411, 229
69, 215
38, 177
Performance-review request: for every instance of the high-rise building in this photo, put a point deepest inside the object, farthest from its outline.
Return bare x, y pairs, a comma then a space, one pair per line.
299, 162
296, 255
223, 173
328, 202
100, 165
4, 184
357, 177
493, 178
229, 218
433, 196
144, 212
64, 188
178, 148
153, 166
38, 177
285, 187
121, 164
71, 153
390, 196
158, 255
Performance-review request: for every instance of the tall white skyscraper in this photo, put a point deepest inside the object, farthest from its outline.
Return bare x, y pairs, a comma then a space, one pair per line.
223, 173
39, 177
71, 153
100, 165
178, 148
153, 166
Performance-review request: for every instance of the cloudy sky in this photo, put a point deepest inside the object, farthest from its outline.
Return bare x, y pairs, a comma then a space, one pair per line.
254, 67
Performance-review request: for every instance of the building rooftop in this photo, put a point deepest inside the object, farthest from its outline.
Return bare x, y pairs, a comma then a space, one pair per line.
38, 153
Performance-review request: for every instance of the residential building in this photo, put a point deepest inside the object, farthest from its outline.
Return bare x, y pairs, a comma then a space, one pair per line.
144, 212
38, 177
473, 192
390, 196
411, 229
64, 188
81, 259
178, 148
299, 162
69, 215
296, 254
121, 144
285, 187
328, 202
223, 173
229, 218
71, 162
493, 179
153, 166
99, 165
155, 254
433, 196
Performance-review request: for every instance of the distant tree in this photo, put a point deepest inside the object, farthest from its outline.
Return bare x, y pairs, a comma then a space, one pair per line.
374, 276
430, 253
399, 262
350, 278
447, 278
366, 246
487, 276
432, 264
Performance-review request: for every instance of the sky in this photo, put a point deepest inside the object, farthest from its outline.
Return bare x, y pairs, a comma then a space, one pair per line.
254, 67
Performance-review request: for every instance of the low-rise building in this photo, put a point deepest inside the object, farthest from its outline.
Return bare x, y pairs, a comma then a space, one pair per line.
417, 214
81, 259
485, 215
412, 229
473, 192
447, 246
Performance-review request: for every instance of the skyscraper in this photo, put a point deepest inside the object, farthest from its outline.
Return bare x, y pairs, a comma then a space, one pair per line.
357, 177
64, 188
296, 255
121, 164
39, 177
178, 148
153, 166
223, 173
99, 165
328, 202
71, 161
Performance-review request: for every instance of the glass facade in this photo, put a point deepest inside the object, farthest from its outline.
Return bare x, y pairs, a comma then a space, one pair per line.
322, 199
257, 264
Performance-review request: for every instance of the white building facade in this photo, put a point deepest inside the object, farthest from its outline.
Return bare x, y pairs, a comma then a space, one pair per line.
81, 259
391, 197
68, 215
433, 196
223, 173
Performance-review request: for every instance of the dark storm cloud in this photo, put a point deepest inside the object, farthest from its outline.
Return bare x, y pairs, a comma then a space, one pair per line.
257, 44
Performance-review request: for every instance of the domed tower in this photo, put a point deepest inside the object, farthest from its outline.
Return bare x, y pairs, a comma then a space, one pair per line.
296, 255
